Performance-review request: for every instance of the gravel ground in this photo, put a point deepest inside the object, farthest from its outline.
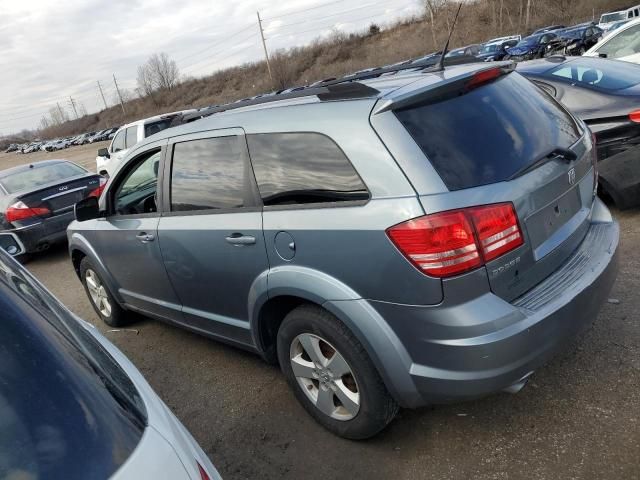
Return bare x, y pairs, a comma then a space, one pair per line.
579, 417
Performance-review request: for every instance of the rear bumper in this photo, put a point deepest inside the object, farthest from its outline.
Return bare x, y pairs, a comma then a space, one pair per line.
39, 236
485, 344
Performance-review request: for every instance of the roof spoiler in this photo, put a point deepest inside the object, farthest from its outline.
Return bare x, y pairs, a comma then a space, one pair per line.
458, 85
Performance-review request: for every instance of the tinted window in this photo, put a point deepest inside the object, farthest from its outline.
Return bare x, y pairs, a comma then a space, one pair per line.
615, 75
155, 127
132, 136
209, 174
40, 175
137, 191
490, 133
299, 168
67, 409
118, 142
624, 44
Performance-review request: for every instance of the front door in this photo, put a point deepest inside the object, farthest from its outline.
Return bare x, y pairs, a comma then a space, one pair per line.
211, 235
127, 239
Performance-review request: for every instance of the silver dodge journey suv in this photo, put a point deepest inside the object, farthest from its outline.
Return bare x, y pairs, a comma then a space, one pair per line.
397, 238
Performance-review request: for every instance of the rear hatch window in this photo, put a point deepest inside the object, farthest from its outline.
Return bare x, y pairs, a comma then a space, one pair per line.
490, 133
40, 175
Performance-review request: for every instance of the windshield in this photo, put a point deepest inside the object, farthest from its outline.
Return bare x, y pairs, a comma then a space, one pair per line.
40, 175
490, 133
67, 409
527, 42
612, 17
573, 33
491, 48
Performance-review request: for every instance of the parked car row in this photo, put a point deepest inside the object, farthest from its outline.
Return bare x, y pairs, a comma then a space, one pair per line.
62, 143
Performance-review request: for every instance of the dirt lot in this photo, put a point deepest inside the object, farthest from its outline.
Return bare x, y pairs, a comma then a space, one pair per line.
579, 417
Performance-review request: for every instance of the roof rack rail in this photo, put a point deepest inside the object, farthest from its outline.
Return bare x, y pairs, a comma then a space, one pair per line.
345, 91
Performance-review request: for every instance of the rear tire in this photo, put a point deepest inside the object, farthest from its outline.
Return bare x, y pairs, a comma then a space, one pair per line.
335, 380
100, 297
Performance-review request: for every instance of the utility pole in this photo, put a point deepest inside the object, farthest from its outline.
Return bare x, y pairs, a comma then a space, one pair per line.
526, 18
73, 105
102, 95
119, 96
264, 45
61, 112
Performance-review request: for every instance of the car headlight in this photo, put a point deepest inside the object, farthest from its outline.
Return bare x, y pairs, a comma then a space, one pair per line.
489, 59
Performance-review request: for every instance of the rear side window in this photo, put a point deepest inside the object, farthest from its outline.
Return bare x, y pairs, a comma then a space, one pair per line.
616, 75
37, 176
302, 168
132, 136
209, 174
490, 133
155, 127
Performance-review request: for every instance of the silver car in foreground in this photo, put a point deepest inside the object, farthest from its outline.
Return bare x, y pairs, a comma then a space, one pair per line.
400, 237
72, 406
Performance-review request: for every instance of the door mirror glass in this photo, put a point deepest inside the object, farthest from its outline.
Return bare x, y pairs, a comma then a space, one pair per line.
103, 152
87, 209
11, 244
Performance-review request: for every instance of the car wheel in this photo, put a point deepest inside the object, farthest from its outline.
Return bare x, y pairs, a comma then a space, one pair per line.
101, 298
331, 374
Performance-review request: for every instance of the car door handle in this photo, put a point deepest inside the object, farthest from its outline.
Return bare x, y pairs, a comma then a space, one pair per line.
145, 237
239, 239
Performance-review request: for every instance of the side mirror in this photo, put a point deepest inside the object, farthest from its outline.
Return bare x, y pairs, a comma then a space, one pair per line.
87, 209
11, 244
104, 152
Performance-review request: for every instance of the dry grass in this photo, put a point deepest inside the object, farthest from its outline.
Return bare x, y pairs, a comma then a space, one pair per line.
342, 53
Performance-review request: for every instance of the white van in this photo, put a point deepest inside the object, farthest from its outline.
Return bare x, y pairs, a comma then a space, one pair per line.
609, 18
127, 136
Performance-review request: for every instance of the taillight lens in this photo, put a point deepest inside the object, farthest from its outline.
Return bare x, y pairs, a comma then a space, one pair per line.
203, 473
450, 243
20, 211
594, 162
635, 116
98, 191
497, 229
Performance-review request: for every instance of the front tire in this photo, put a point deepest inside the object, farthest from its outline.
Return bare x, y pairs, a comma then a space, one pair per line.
100, 297
332, 375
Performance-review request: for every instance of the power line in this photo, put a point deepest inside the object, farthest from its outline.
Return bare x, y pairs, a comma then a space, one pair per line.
217, 43
231, 48
302, 10
328, 16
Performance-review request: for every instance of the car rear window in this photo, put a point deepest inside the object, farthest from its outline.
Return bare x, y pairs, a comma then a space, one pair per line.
39, 175
604, 75
490, 133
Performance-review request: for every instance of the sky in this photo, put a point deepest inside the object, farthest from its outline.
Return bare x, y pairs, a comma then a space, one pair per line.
51, 50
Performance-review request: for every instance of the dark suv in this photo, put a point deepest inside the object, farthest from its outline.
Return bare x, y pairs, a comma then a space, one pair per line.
418, 237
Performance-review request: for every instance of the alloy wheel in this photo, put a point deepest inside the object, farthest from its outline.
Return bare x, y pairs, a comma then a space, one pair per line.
98, 293
325, 376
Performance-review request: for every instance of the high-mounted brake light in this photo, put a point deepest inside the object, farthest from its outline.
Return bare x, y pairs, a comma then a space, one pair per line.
454, 242
483, 77
635, 116
203, 473
20, 211
98, 191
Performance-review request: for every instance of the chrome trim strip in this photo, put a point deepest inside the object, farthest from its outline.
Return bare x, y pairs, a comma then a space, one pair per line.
64, 193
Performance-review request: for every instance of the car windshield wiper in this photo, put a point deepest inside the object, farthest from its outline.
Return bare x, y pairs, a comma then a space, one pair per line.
558, 152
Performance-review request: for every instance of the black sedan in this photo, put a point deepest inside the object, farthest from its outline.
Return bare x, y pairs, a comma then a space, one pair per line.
575, 40
606, 95
37, 200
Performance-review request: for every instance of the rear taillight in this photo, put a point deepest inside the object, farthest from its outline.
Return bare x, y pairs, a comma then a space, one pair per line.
450, 243
203, 473
20, 211
594, 162
635, 116
98, 191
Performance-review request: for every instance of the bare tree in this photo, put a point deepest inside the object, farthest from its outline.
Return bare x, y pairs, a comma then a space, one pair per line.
433, 8
158, 73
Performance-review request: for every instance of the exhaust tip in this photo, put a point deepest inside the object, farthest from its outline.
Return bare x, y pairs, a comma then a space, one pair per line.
519, 385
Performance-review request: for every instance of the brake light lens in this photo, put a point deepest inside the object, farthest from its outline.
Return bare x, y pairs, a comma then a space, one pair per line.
98, 191
451, 243
497, 229
20, 211
203, 474
635, 116
483, 77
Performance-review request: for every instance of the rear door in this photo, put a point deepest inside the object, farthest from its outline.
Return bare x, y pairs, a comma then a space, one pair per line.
126, 239
507, 141
211, 236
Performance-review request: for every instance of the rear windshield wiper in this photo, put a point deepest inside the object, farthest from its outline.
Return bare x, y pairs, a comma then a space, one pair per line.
563, 153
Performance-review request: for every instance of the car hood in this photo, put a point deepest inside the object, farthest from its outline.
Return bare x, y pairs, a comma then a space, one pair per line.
520, 50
